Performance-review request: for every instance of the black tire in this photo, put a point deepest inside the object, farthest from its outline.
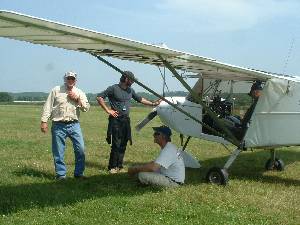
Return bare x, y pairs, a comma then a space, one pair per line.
278, 164
269, 165
217, 176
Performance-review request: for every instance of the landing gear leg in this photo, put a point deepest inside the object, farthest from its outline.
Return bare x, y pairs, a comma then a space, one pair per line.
186, 143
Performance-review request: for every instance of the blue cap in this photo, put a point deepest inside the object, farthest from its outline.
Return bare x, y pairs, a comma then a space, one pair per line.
164, 130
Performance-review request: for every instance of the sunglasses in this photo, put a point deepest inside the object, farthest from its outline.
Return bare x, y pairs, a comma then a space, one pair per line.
156, 133
70, 78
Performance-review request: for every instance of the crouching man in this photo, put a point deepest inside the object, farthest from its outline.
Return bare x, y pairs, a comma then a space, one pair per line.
168, 168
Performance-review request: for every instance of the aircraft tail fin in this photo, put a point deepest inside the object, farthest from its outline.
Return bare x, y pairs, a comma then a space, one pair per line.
189, 160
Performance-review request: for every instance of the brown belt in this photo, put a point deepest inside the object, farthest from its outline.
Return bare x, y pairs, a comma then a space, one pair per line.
66, 122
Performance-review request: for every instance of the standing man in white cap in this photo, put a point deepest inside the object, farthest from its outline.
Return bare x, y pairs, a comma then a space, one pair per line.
63, 107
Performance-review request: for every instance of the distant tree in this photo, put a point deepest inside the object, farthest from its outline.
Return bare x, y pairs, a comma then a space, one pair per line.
5, 97
91, 97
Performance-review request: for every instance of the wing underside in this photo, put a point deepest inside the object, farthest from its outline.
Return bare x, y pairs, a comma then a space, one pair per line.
39, 31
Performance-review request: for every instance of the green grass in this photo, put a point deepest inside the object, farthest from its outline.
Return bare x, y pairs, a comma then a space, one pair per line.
30, 195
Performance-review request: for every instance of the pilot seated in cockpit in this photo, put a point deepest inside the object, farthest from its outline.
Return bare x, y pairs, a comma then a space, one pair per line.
234, 123
255, 93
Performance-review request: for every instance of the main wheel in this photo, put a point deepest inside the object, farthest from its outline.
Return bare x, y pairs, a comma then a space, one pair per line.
217, 175
278, 164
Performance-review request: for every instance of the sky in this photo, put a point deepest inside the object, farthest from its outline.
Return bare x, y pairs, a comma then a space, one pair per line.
255, 34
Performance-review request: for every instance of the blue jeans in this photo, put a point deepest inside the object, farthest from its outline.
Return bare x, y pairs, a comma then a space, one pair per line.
60, 131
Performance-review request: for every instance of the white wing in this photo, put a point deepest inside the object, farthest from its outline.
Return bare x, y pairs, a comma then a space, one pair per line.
39, 31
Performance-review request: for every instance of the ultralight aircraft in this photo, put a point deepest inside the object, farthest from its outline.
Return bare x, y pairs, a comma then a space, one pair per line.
273, 122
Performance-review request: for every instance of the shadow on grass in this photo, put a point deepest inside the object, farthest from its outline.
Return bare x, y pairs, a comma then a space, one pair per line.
70, 191
30, 172
51, 193
248, 166
96, 165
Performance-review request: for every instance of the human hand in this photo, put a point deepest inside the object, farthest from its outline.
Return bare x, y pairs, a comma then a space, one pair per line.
113, 113
131, 171
157, 102
44, 127
73, 96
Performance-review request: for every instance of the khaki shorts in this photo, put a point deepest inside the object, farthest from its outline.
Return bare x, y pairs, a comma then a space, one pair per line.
157, 179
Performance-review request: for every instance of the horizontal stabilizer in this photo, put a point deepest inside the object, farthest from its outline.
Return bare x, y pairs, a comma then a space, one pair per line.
189, 160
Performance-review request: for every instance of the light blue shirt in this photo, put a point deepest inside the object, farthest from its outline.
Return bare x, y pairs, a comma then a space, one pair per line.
171, 163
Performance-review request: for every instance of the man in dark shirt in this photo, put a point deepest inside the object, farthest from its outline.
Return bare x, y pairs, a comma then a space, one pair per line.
255, 93
119, 130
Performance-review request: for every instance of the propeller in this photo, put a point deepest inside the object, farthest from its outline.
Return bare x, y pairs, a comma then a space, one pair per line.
147, 119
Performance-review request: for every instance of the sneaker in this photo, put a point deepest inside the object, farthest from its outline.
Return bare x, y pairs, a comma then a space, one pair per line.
60, 177
113, 171
122, 170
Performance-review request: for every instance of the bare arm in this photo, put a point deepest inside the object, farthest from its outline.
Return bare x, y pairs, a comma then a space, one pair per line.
149, 103
109, 111
148, 167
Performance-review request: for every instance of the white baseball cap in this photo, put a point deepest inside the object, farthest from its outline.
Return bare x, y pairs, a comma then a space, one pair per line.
71, 74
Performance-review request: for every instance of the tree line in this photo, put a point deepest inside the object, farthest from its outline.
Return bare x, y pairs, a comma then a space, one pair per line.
241, 99
42, 96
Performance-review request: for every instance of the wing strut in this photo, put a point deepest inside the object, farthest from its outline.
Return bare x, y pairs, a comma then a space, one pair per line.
220, 124
159, 96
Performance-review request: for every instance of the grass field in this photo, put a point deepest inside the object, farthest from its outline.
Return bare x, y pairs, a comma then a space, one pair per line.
30, 195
